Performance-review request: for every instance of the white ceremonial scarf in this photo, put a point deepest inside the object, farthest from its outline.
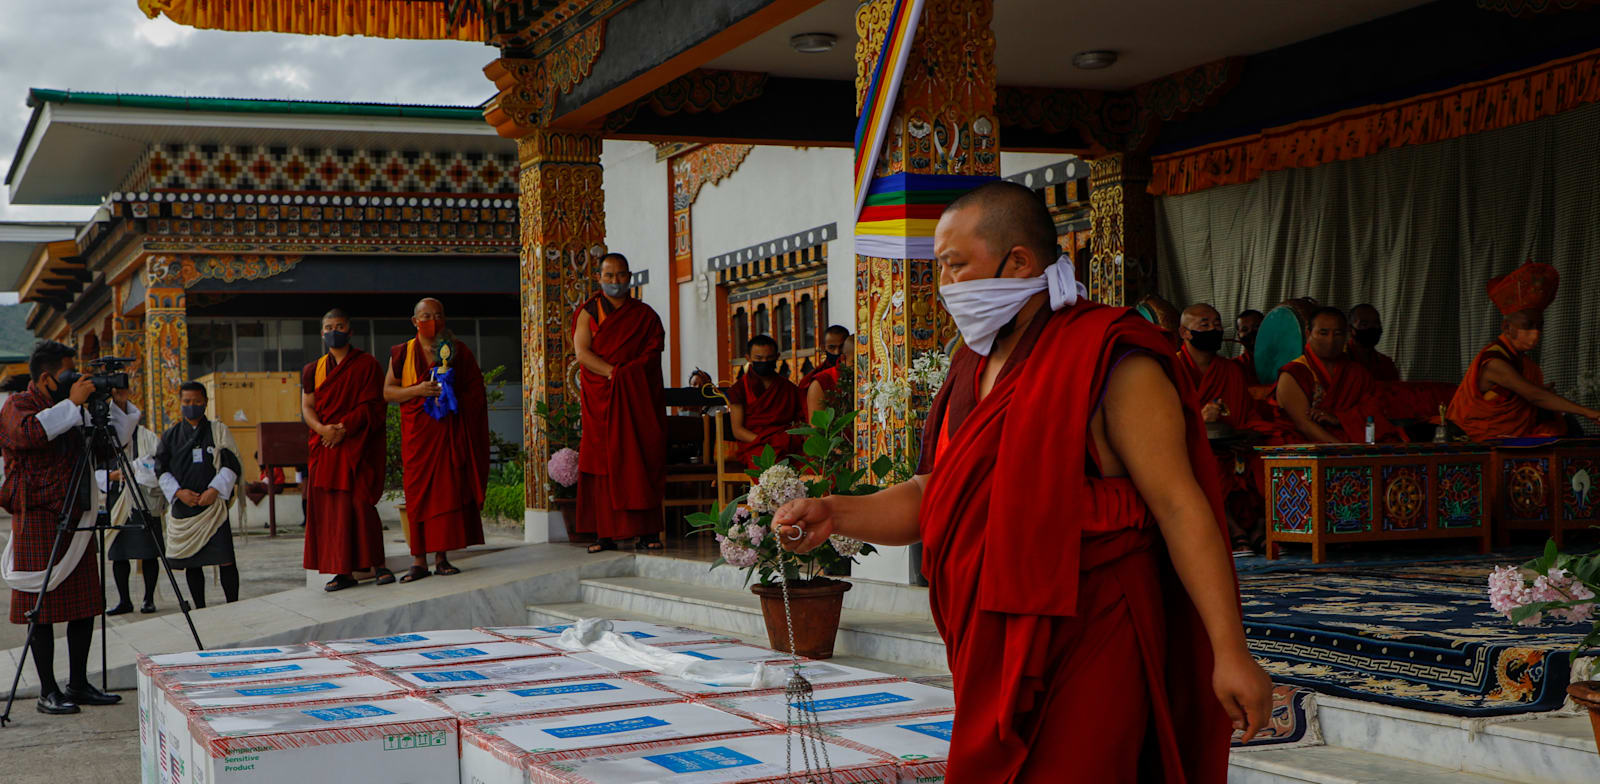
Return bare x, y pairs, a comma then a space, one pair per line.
186, 535
141, 449
981, 308
56, 420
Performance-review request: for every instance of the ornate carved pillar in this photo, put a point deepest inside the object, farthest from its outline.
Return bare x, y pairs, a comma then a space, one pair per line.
943, 125
127, 340
166, 340
1122, 228
563, 237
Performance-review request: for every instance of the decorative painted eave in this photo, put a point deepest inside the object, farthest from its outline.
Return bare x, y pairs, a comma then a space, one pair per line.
409, 19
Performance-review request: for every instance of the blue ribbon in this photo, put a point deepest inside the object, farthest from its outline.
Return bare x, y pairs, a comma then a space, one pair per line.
445, 404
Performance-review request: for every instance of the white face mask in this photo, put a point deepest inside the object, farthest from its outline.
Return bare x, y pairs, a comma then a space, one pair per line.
981, 308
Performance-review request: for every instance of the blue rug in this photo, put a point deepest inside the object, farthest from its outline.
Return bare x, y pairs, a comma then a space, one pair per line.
1416, 635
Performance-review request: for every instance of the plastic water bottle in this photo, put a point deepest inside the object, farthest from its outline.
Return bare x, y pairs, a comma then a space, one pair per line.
1372, 431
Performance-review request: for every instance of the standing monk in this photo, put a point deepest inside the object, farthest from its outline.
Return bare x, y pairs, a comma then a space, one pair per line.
1503, 394
444, 439
1078, 569
341, 399
1223, 395
1323, 396
1366, 329
763, 406
622, 457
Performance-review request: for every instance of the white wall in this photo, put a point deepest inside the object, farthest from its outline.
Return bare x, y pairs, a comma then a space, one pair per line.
637, 216
1018, 162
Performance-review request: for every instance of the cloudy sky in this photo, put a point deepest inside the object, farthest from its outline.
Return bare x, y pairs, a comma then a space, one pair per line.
109, 46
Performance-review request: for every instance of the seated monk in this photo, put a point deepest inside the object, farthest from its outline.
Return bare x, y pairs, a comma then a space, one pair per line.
1223, 395
1324, 397
1503, 394
821, 386
763, 406
1245, 327
1366, 329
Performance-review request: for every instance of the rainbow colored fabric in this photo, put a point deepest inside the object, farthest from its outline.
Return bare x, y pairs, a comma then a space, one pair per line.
878, 104
902, 209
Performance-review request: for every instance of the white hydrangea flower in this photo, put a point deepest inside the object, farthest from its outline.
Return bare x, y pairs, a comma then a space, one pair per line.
845, 546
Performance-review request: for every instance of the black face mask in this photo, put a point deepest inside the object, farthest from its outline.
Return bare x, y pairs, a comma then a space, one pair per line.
194, 413
1249, 341
335, 339
1367, 338
765, 369
63, 388
1208, 341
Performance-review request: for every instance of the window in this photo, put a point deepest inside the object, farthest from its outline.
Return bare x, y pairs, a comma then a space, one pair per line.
822, 309
500, 343
782, 315
741, 332
808, 322
210, 347
257, 350
762, 324
388, 333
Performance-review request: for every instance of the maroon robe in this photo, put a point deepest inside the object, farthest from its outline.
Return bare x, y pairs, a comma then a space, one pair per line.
38, 470
622, 457
1238, 468
1380, 365
1076, 653
446, 461
1339, 387
345, 481
770, 412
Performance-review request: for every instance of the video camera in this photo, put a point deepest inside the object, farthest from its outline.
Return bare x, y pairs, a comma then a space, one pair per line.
110, 373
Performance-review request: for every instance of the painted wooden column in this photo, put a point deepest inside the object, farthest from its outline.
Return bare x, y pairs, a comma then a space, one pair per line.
563, 237
943, 124
166, 340
127, 340
1122, 228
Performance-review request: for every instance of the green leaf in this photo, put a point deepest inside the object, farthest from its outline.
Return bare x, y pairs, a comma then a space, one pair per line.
882, 466
823, 418
1523, 613
817, 446
767, 458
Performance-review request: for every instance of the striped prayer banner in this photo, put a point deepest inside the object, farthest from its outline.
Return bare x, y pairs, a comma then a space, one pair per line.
878, 105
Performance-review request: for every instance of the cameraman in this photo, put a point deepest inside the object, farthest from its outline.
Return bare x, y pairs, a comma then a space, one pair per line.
41, 454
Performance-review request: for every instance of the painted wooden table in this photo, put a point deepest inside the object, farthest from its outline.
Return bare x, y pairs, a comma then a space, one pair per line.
1325, 494
1548, 487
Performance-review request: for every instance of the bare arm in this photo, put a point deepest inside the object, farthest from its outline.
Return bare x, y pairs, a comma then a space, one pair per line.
889, 517
1144, 425
1498, 371
582, 339
815, 398
394, 392
736, 420
1292, 399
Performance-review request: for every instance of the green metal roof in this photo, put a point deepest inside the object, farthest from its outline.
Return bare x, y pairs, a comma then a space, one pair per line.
38, 96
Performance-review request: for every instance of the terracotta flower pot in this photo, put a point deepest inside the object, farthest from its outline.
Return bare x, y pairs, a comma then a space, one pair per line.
814, 607
1587, 694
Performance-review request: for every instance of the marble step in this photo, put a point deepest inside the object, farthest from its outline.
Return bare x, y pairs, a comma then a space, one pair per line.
907, 639
870, 595
1336, 765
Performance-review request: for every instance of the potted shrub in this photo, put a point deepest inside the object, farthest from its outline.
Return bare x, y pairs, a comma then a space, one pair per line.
1563, 587
563, 430
745, 535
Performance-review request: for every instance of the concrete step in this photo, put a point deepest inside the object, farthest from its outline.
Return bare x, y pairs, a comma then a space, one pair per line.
1335, 765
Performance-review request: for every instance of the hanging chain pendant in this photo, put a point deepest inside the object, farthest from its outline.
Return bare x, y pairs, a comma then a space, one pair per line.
800, 715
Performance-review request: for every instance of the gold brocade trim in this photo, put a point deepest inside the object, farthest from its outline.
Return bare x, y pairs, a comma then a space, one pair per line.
411, 19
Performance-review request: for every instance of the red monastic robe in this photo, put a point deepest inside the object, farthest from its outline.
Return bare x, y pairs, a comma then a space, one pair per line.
446, 461
622, 456
1501, 413
1069, 637
1247, 363
1339, 387
1238, 469
829, 364
770, 411
344, 482
1381, 367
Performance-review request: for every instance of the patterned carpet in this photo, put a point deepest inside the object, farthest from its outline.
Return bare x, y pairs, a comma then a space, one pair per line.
1417, 635
1294, 722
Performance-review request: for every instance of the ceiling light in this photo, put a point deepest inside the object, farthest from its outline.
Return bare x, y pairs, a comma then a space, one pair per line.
1095, 59
813, 43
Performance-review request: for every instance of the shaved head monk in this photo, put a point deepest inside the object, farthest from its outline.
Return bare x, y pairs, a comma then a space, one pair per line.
622, 457
1324, 396
822, 386
1223, 394
341, 400
1503, 394
1245, 326
1064, 480
763, 406
444, 439
1366, 329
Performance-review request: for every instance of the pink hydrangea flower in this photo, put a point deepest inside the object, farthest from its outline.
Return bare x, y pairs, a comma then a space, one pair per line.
1509, 589
563, 467
737, 555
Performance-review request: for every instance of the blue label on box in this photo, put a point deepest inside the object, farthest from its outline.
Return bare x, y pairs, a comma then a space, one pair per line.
575, 688
639, 635
348, 712
255, 671
607, 727
858, 701
238, 652
717, 758
396, 640
451, 675
298, 688
554, 629
699, 655
454, 653
933, 729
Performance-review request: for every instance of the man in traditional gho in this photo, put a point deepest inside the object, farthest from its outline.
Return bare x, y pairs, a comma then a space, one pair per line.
763, 406
1325, 397
823, 387
1245, 327
41, 452
1078, 565
1366, 329
198, 465
125, 547
444, 439
341, 401
1223, 395
622, 456
1503, 394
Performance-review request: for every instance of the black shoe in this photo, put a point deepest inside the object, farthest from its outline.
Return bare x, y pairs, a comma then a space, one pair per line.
147, 608
56, 704
122, 608
87, 694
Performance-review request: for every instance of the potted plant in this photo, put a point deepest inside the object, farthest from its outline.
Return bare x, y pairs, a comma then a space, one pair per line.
1561, 586
745, 535
563, 430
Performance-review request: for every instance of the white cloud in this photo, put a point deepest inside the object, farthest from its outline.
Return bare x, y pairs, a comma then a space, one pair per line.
161, 32
284, 74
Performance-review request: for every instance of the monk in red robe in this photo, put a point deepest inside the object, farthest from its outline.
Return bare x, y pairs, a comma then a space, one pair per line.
1223, 395
1245, 327
821, 386
1366, 329
1069, 513
341, 400
622, 457
1323, 396
445, 451
1503, 394
763, 406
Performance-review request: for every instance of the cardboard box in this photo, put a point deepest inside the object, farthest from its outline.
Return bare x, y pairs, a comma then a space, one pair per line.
745, 759
452, 655
728, 651
563, 696
819, 673
920, 745
395, 741
835, 704
401, 642
493, 675
488, 748
647, 633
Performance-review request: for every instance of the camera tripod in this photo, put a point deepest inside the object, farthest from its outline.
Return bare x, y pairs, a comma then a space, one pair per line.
99, 440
